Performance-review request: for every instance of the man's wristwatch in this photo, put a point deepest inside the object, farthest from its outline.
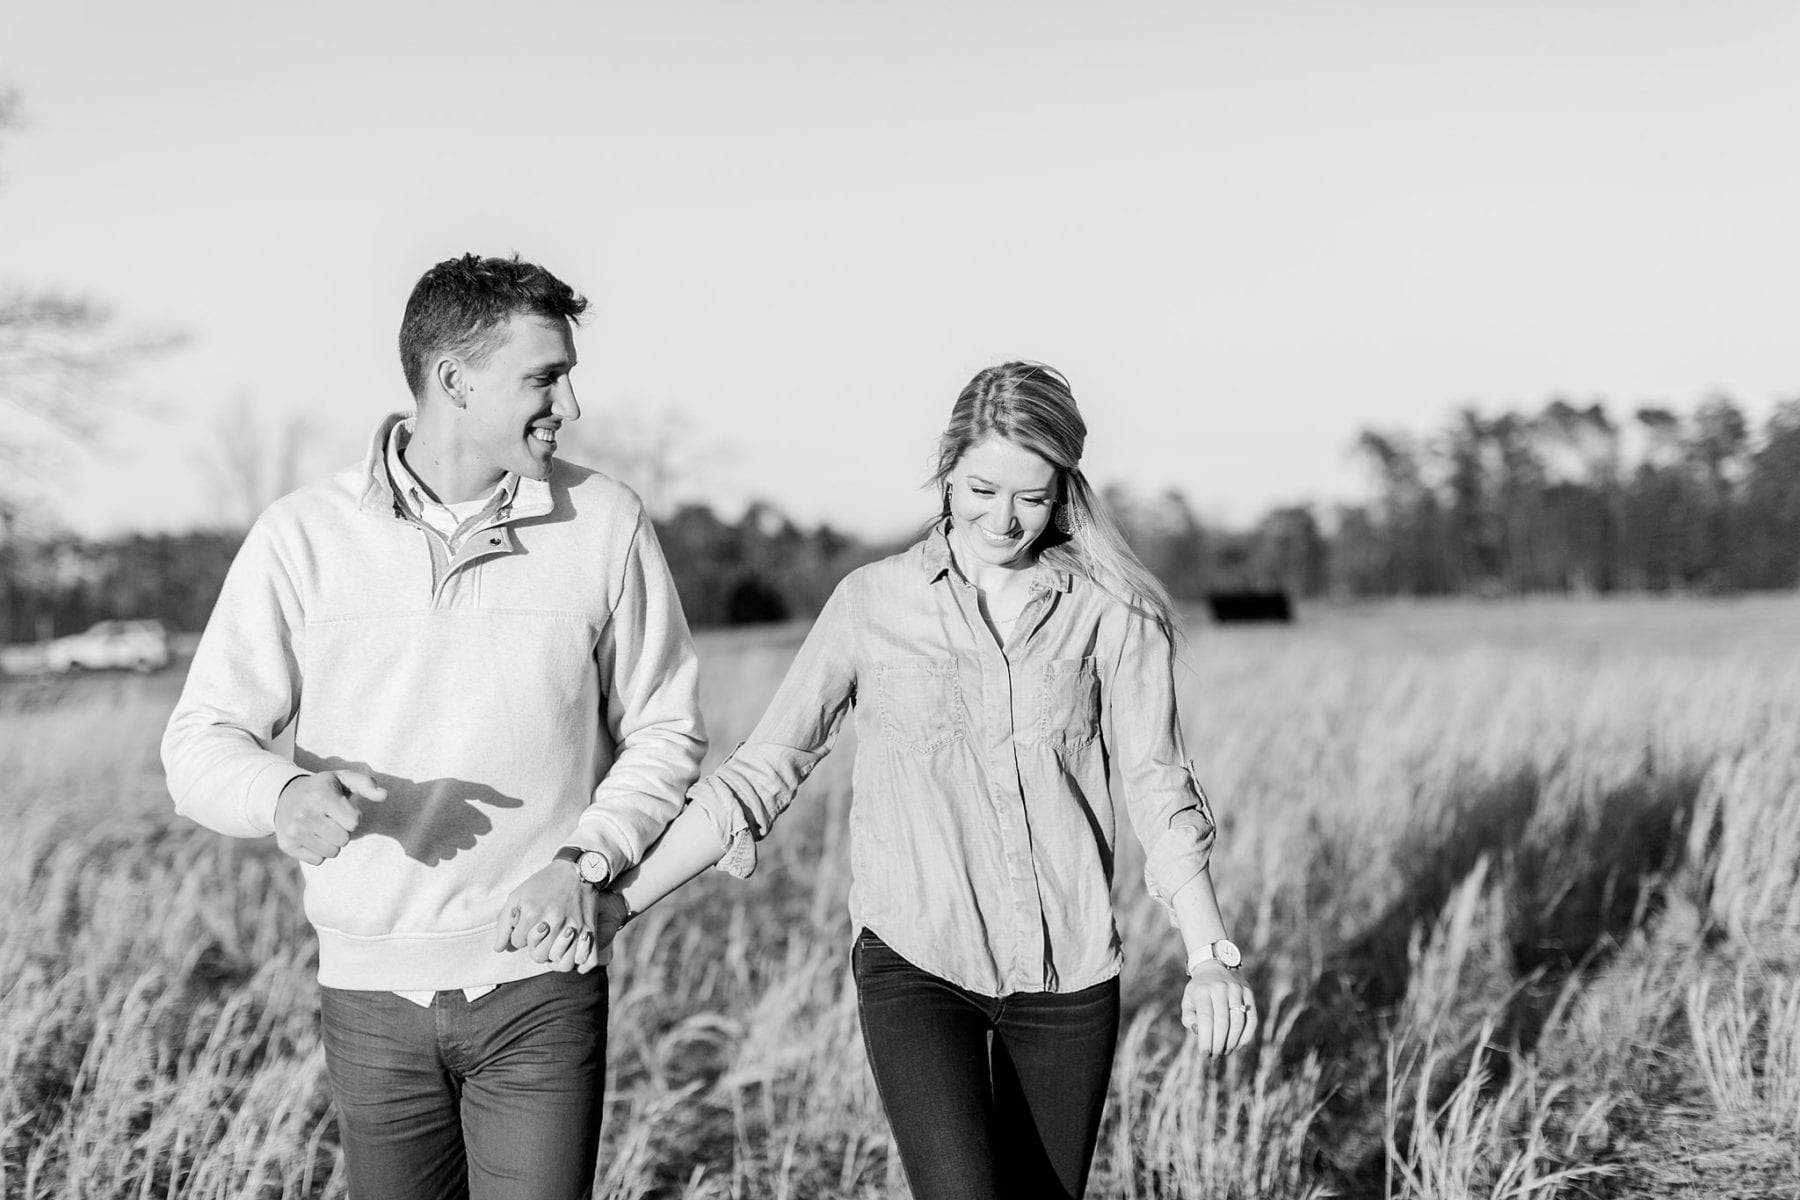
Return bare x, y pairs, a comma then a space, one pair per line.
1224, 951
589, 864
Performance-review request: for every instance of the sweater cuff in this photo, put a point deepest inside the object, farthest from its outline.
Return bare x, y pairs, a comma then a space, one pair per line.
265, 790
603, 834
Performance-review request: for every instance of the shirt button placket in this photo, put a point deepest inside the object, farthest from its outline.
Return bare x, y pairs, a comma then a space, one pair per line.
1025, 962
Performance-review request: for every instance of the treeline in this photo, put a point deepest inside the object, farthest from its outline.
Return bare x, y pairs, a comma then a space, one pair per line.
1570, 499
54, 585
761, 567
1567, 498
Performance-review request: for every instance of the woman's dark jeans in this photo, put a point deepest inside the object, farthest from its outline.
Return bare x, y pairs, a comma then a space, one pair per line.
1018, 1119
495, 1099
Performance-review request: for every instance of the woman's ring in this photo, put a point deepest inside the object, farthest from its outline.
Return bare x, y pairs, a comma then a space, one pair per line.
1243, 1008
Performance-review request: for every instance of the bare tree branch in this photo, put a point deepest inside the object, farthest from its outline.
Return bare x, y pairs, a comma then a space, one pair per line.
251, 462
60, 358
659, 453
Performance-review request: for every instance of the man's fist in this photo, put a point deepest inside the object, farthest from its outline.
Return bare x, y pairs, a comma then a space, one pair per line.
316, 814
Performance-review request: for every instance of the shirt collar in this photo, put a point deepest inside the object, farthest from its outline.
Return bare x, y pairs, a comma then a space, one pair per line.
936, 562
407, 486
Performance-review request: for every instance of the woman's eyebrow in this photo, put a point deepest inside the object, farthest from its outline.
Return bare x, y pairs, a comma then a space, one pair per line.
973, 478
1021, 492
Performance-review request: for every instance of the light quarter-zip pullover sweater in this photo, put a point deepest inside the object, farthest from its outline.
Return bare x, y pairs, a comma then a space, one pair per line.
537, 688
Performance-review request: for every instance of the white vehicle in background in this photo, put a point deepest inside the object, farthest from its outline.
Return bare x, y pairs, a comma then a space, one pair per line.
139, 645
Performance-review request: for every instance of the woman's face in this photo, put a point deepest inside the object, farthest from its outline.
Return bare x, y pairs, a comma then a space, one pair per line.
1001, 498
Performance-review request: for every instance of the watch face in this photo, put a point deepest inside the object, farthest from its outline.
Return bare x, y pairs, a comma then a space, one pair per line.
592, 866
1227, 952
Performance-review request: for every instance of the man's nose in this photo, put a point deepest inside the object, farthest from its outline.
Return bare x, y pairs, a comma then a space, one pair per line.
565, 405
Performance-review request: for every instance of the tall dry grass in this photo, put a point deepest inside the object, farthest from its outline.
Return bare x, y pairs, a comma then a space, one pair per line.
1517, 884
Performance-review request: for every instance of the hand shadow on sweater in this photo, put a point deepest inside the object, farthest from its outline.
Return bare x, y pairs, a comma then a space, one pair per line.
433, 819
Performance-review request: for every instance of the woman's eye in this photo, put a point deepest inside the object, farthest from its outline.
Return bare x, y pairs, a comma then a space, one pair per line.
1034, 501
982, 491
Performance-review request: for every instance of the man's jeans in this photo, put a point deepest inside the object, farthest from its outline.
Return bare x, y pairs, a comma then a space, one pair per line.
988, 1097
496, 1099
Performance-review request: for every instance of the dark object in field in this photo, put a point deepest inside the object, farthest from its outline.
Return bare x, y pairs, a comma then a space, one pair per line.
754, 600
1230, 608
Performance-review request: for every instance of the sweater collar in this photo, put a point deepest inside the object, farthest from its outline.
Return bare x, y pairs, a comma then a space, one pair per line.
381, 493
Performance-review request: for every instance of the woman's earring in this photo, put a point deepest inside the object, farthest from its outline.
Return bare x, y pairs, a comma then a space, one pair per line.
1063, 520
946, 499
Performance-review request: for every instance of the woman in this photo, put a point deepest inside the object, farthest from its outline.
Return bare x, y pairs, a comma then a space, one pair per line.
1012, 680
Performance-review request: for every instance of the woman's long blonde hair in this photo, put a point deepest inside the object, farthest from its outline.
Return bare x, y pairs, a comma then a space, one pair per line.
1032, 406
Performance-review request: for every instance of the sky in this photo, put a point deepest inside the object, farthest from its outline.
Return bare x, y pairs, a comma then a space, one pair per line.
1244, 231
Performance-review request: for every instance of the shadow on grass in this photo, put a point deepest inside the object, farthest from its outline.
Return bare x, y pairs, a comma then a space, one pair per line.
1574, 883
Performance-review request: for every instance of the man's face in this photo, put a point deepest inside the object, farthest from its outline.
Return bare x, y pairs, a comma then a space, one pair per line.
519, 396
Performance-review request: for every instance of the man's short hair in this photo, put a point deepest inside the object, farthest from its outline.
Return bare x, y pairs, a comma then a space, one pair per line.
460, 305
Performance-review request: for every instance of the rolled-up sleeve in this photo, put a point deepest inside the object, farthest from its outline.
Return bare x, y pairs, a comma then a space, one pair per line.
1168, 808
747, 792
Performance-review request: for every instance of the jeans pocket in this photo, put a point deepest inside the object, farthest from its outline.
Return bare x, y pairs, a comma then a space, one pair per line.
921, 702
875, 963
1069, 719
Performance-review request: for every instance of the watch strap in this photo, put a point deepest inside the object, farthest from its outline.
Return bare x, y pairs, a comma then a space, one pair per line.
1210, 953
578, 858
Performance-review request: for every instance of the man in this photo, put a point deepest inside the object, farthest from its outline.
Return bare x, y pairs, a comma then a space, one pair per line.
492, 692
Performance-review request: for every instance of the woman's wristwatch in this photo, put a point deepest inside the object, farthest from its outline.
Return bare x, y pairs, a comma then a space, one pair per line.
1224, 952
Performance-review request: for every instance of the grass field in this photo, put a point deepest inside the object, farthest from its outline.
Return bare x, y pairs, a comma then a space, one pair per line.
1516, 884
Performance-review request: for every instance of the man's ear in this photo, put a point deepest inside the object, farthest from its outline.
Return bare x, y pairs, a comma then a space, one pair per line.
452, 381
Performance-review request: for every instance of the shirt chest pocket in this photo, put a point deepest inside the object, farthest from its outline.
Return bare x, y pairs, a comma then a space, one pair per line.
1069, 719
921, 702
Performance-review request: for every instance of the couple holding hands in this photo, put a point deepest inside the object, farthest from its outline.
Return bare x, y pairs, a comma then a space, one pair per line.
497, 742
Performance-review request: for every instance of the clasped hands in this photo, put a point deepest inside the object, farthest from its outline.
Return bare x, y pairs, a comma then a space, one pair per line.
559, 919
553, 915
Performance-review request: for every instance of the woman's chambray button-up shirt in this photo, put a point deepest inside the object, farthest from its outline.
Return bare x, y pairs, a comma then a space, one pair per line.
983, 816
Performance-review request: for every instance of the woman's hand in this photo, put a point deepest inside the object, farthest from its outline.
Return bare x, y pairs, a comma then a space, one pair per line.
610, 916
1218, 1008
552, 915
